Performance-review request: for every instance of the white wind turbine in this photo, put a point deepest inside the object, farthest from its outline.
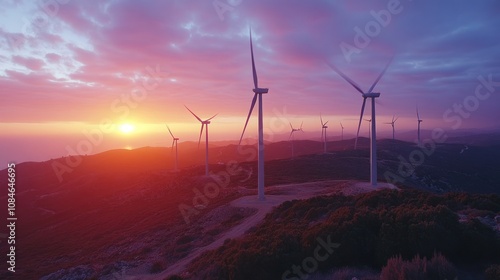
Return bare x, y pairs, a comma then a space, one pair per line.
323, 132
392, 124
257, 93
373, 139
418, 130
174, 141
342, 131
203, 123
291, 135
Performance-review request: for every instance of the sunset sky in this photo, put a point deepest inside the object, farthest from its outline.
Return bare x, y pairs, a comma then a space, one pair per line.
67, 66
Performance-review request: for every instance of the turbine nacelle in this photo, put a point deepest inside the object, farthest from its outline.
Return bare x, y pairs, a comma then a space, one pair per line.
260, 90
371, 94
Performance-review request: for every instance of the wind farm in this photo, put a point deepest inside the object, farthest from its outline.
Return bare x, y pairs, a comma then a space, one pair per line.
286, 183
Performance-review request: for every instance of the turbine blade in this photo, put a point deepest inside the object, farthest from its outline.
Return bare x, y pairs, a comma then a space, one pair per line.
173, 143
396, 119
418, 116
326, 122
255, 80
193, 114
345, 77
360, 119
212, 117
291, 125
291, 132
170, 131
321, 119
301, 125
381, 74
201, 132
249, 114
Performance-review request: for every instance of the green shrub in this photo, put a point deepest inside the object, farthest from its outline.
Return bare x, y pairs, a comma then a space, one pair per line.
371, 228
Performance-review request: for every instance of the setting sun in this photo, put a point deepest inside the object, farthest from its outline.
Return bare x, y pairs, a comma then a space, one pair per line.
126, 128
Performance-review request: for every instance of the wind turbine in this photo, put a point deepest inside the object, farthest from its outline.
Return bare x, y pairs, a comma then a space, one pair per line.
342, 131
203, 123
323, 132
174, 141
392, 123
373, 139
257, 93
369, 125
418, 130
291, 134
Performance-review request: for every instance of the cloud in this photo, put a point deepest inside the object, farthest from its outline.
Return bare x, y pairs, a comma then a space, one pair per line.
90, 54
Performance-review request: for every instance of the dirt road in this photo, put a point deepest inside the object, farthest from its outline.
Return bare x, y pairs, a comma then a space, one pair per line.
283, 193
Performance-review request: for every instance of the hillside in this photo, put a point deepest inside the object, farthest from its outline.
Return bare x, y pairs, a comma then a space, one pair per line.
121, 209
364, 230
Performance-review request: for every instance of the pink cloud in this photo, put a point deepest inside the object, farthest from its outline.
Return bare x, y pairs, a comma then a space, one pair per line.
30, 63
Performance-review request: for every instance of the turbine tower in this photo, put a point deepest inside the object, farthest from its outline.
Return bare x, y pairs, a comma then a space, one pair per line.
418, 130
174, 141
257, 94
342, 131
392, 124
323, 132
203, 123
373, 139
291, 135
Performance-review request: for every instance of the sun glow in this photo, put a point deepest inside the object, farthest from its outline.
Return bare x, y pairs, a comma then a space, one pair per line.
126, 128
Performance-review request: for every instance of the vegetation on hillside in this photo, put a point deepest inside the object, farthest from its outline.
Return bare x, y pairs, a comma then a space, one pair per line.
370, 228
